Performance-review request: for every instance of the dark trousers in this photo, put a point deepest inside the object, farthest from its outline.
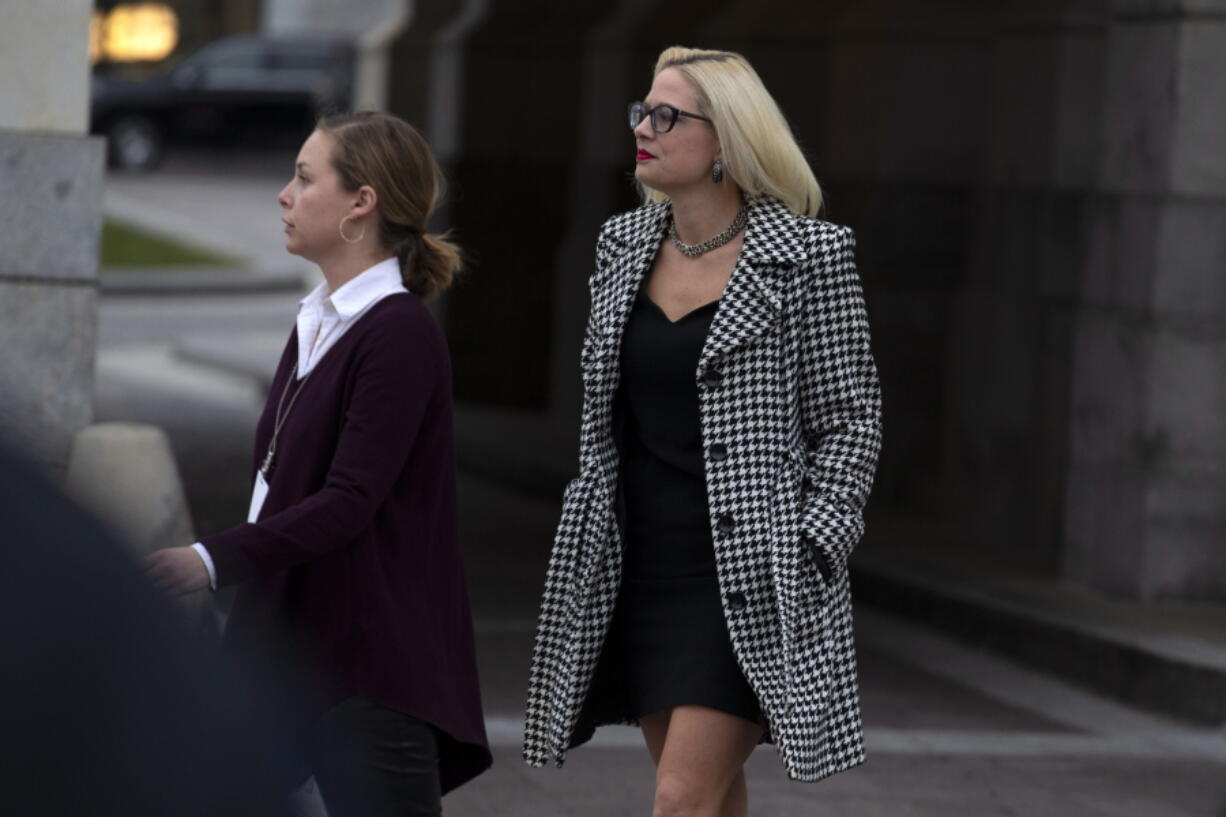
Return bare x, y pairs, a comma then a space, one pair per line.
371, 761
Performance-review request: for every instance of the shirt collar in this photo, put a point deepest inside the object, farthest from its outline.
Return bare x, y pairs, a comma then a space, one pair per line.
358, 293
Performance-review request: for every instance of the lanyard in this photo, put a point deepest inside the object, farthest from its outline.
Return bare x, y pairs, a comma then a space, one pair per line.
281, 416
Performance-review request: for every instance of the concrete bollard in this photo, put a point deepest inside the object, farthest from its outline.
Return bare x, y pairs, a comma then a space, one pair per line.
125, 475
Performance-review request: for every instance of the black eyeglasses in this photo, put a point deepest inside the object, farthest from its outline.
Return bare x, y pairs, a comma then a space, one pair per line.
663, 116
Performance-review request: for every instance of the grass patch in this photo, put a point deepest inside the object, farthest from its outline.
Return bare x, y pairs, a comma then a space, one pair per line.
126, 246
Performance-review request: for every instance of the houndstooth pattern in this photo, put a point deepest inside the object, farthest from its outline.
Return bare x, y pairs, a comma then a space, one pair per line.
787, 383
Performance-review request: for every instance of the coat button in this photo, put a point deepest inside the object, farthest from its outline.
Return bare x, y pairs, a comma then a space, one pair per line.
737, 601
725, 524
712, 378
718, 452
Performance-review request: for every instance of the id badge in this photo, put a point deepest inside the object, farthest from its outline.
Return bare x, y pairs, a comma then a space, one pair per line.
258, 494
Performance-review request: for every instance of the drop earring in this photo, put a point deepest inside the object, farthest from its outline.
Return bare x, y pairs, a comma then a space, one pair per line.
717, 171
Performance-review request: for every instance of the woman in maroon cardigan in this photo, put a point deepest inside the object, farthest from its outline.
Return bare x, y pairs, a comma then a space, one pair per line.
349, 568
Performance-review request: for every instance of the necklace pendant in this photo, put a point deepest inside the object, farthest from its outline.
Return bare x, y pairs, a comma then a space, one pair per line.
266, 464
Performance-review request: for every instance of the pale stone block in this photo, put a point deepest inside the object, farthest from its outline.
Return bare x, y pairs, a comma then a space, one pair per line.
1199, 161
47, 337
44, 66
125, 474
1147, 460
1103, 527
1111, 366
1184, 531
1190, 266
1186, 405
1168, 8
51, 207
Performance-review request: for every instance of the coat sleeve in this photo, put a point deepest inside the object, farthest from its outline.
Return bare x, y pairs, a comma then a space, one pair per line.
550, 652
396, 378
840, 401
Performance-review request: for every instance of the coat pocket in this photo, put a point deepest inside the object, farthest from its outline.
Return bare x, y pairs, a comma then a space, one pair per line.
830, 529
802, 574
803, 593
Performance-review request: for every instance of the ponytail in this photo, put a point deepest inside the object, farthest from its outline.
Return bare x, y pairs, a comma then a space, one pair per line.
429, 263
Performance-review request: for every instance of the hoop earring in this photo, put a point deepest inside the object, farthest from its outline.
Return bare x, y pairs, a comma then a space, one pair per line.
340, 228
717, 171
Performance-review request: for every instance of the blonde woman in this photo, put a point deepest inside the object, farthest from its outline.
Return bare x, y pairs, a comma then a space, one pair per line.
731, 424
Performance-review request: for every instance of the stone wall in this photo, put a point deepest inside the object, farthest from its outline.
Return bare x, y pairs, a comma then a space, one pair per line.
1038, 192
50, 219
1146, 497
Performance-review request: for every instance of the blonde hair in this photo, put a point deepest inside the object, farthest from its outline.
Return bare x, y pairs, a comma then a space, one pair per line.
387, 153
758, 151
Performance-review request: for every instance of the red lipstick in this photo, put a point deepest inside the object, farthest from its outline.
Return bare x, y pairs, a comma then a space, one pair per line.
643, 156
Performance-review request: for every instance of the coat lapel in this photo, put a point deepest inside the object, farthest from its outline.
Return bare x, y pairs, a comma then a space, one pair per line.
633, 251
752, 303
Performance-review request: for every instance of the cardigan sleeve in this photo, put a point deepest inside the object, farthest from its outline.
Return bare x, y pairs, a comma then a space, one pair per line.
396, 378
840, 402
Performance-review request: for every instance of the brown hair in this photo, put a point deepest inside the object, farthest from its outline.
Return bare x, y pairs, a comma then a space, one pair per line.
389, 154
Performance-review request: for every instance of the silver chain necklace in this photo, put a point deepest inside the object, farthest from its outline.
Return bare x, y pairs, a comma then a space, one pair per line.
692, 250
281, 416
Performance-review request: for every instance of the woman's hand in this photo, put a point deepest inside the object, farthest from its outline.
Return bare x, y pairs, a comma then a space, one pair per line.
177, 571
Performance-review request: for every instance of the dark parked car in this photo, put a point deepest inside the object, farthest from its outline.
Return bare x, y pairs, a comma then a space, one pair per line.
238, 90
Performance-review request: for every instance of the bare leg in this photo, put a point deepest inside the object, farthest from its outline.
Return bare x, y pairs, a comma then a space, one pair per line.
736, 801
699, 755
655, 730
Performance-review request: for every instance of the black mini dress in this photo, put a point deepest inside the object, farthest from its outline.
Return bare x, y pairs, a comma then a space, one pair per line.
668, 644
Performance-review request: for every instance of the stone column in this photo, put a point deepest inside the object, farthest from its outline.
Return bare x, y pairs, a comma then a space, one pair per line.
51, 176
1005, 419
1147, 473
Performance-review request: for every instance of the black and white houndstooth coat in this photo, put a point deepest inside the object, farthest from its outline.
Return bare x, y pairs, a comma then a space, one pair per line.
790, 408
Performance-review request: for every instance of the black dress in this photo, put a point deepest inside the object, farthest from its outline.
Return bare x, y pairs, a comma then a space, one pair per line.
669, 641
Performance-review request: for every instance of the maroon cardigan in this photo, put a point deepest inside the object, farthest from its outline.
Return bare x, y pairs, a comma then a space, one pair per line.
353, 571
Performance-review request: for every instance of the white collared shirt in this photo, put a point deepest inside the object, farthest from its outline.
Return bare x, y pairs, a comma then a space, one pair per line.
323, 316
